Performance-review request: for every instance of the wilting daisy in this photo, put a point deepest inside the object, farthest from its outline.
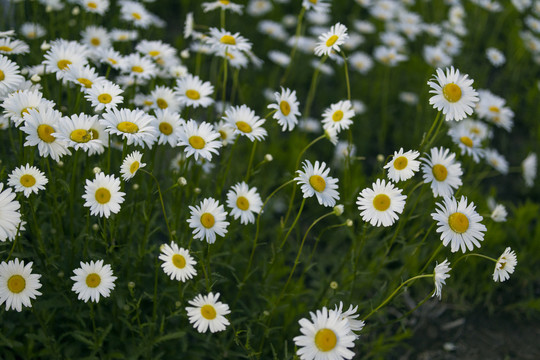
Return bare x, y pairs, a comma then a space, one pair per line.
440, 274
130, 165
199, 140
207, 312
505, 265
208, 219
192, 91
168, 125
103, 195
17, 284
380, 205
403, 165
177, 262
286, 107
314, 180
76, 131
528, 166
327, 336
10, 214
104, 95
459, 224
442, 171
93, 280
9, 76
338, 116
133, 125
245, 122
331, 40
27, 179
244, 203
223, 41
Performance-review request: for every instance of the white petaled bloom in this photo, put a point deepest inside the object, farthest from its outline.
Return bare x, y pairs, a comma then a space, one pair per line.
338, 116
319, 6
32, 30
139, 67
133, 125
13, 46
208, 219
408, 98
164, 98
388, 55
103, 195
440, 274
381, 204
528, 166
9, 76
499, 213
95, 6
351, 316
245, 122
314, 180
280, 58
505, 265
93, 280
40, 127
223, 5
10, 214
453, 94
84, 76
123, 35
495, 57
130, 165
207, 312
177, 263
168, 125
27, 179
135, 13
105, 95
468, 142
459, 224
77, 131
19, 102
493, 108
192, 91
327, 336
96, 37
330, 41
199, 140
222, 41
159, 51
442, 171
361, 62
17, 284
110, 57
286, 107
244, 203
495, 159
403, 165
63, 54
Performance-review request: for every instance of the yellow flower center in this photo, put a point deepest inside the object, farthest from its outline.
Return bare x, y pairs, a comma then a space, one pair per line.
165, 128
179, 261
313, 1
458, 222
243, 127
80, 136
104, 98
94, 134
134, 166
285, 107
112, 61
28, 180
223, 134
103, 195
451, 92
137, 69
136, 15
63, 64
44, 132
196, 142
439, 172
5, 48
154, 53
228, 39
16, 284
337, 116
317, 183
93, 280
148, 102
325, 340
225, 2
381, 202
2, 75
494, 109
193, 94
127, 127
122, 37
400, 163
92, 5
243, 203
207, 220
95, 41
467, 141
332, 40
208, 312
162, 104
87, 83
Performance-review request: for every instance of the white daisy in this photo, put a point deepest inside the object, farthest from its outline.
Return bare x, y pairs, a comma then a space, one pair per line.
319, 6
505, 265
17, 284
223, 5
199, 140
32, 30
495, 56
286, 107
529, 166
93, 280
164, 98
338, 116
380, 205
77, 132
469, 144
244, 203
10, 215
136, 14
192, 91
223, 41
493, 109
27, 179
208, 219
103, 195
226, 131
440, 274
95, 37
95, 6
9, 76
245, 122
442, 171
83, 76
168, 125
403, 165
18, 103
499, 213
130, 165
104, 95
63, 54
388, 56
133, 125
177, 262
13, 46
139, 68
314, 180
330, 41
351, 316
208, 313
459, 224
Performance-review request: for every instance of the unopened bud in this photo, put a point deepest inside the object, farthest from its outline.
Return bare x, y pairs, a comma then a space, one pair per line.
76, 11
184, 54
197, 190
135, 186
349, 223
96, 170
95, 227
131, 285
35, 78
268, 157
182, 181
45, 46
60, 163
338, 210
334, 285
380, 158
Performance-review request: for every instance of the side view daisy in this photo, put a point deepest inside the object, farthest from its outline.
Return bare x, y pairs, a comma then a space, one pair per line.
440, 274
286, 107
351, 316
10, 77
244, 203
338, 116
130, 165
199, 140
207, 312
177, 262
442, 171
381, 204
331, 41
192, 91
92, 280
403, 165
103, 195
314, 180
27, 179
505, 265
208, 219
10, 214
17, 284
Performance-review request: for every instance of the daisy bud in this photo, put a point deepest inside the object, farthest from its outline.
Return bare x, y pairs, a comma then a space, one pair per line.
173, 232
96, 170
135, 186
334, 285
266, 313
45, 46
126, 307
380, 158
60, 274
349, 223
178, 304
24, 71
95, 227
60, 163
162, 247
268, 158
35, 78
72, 22
48, 9
338, 210
184, 54
182, 181
131, 285
197, 190
76, 11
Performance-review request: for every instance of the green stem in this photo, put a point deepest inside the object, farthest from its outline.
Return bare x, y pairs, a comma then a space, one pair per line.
161, 201
430, 131
293, 224
477, 255
346, 76
313, 87
248, 172
293, 50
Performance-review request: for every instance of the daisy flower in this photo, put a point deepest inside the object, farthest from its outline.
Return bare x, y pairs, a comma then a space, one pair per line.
327, 336
168, 125
27, 179
135, 13
338, 116
104, 96
156, 49
139, 68
319, 6
361, 62
245, 122
63, 54
192, 91
495, 57
279, 58
459, 224
103, 195
380, 205
177, 263
403, 165
130, 165
226, 131
330, 41
84, 76
18, 103
199, 140
442, 171
17, 284
529, 169
208, 219
93, 280
76, 131
453, 94
351, 316
499, 213
95, 6
223, 5
32, 30
467, 142
388, 55
286, 107
13, 46
133, 125
207, 312
96, 37
165, 98
314, 180
222, 41
9, 76
493, 109
10, 214
244, 203
505, 265
440, 274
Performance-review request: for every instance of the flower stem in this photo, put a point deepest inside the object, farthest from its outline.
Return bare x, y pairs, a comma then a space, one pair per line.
248, 172
161, 201
293, 224
477, 255
293, 50
346, 76
430, 131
